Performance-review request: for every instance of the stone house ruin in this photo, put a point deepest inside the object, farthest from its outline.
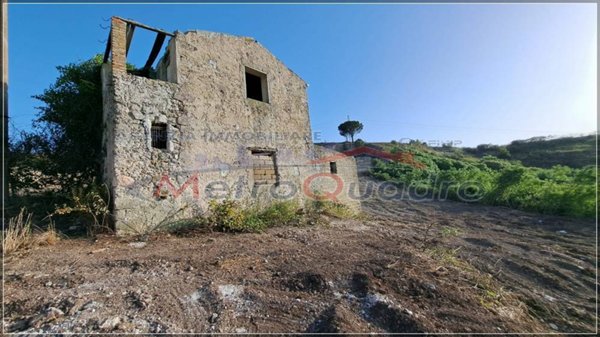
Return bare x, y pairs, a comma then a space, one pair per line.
218, 117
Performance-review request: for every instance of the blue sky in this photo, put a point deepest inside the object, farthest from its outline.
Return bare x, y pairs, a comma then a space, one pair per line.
469, 73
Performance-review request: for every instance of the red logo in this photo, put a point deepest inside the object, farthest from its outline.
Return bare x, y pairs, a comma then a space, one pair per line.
324, 195
175, 192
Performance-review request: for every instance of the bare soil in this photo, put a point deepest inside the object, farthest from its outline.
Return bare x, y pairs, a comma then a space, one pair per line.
405, 266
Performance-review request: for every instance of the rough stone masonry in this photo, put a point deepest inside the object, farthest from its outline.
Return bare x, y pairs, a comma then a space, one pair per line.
219, 117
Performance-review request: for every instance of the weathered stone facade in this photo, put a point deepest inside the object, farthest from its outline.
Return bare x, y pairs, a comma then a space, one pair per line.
219, 143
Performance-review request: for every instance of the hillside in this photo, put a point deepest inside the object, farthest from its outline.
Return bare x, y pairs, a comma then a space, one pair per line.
544, 152
563, 184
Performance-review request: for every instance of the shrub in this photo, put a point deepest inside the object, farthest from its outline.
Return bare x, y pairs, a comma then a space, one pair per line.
228, 216
503, 153
558, 190
330, 208
89, 201
254, 223
280, 214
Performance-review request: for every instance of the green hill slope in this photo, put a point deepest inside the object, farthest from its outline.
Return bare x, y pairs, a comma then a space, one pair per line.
552, 176
544, 152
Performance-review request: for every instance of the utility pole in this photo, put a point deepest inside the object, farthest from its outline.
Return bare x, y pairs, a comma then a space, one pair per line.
5, 175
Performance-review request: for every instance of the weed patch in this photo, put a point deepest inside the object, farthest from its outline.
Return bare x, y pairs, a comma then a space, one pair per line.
90, 202
489, 293
231, 216
20, 234
332, 209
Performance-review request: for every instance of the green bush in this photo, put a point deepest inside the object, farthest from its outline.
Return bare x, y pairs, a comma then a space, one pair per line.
280, 214
91, 203
228, 216
557, 190
329, 208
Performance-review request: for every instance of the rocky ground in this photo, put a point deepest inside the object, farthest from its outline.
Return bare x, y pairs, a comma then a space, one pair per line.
402, 267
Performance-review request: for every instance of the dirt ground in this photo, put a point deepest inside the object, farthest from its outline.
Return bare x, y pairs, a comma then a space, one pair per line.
405, 266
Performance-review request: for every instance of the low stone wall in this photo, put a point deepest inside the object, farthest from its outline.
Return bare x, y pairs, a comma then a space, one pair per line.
364, 164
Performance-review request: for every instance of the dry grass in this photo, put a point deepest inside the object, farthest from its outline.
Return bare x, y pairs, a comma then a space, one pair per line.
333, 209
48, 237
20, 234
491, 294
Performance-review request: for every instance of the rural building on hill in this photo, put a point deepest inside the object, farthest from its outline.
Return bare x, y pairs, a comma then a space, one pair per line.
219, 116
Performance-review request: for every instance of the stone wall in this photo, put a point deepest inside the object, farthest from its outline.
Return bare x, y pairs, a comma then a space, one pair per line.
364, 164
132, 166
214, 132
166, 69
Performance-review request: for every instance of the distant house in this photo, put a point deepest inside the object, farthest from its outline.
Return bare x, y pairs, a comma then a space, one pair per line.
218, 117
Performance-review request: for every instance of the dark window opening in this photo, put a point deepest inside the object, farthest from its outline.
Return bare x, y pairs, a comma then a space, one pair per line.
333, 167
256, 85
253, 87
264, 167
159, 135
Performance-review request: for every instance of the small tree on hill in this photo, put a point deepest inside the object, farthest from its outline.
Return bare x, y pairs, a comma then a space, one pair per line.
349, 129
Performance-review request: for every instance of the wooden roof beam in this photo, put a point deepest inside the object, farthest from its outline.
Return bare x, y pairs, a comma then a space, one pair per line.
141, 25
130, 30
160, 39
107, 50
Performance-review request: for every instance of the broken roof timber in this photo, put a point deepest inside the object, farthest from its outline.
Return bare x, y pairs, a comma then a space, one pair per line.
107, 50
129, 37
141, 25
160, 39
161, 35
